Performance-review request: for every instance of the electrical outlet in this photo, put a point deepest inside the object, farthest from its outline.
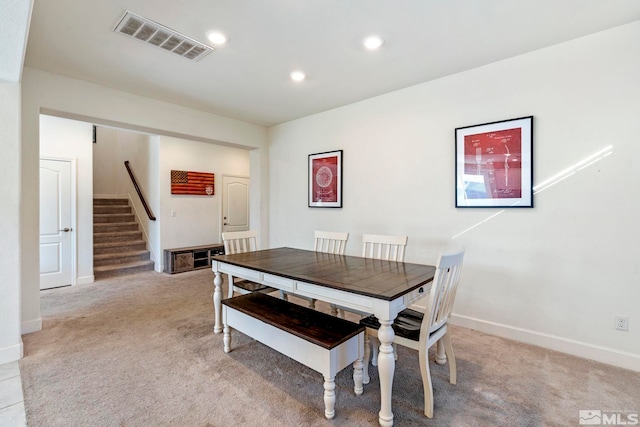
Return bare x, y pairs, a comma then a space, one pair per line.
622, 323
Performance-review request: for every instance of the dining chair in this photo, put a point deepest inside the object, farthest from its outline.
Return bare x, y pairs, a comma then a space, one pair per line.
384, 247
420, 331
331, 242
237, 242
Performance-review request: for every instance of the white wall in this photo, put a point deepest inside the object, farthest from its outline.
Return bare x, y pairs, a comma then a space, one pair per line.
56, 95
554, 275
72, 140
112, 148
197, 220
10, 278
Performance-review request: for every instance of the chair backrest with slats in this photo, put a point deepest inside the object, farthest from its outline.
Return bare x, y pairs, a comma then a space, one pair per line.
383, 247
330, 242
443, 292
237, 242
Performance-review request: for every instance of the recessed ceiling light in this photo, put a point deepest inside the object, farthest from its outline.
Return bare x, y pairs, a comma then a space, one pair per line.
217, 37
297, 76
372, 42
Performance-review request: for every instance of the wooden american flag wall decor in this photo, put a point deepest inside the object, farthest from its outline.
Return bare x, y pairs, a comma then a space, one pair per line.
194, 183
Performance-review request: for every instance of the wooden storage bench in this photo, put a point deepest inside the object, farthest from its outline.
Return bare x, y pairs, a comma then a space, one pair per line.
324, 343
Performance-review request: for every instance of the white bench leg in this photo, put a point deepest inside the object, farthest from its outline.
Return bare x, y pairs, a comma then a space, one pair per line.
226, 338
329, 397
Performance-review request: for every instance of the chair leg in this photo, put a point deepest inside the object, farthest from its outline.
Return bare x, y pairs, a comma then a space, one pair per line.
426, 381
365, 361
448, 348
441, 357
284, 296
375, 347
312, 303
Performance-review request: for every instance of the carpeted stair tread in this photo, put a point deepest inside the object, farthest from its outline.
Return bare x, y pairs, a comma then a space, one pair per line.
110, 202
106, 271
120, 258
120, 237
120, 254
116, 244
121, 266
112, 218
118, 233
105, 227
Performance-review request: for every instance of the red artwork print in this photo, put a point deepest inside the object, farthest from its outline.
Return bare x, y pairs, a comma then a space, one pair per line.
496, 159
325, 179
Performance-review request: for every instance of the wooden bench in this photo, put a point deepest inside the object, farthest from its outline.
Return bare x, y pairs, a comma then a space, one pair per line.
324, 343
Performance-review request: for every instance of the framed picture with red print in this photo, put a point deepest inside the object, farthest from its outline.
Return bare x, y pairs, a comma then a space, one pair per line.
325, 180
494, 164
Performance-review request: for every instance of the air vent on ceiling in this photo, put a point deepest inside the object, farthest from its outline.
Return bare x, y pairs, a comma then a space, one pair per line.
150, 32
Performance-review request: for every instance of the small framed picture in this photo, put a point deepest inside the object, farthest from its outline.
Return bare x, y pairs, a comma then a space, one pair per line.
325, 180
494, 164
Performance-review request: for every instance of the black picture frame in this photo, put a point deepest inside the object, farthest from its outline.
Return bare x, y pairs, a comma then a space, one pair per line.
494, 164
325, 179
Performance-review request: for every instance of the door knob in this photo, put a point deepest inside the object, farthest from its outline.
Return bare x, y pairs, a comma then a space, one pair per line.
66, 229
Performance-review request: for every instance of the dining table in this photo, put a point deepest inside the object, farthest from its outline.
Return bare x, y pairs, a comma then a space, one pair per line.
365, 285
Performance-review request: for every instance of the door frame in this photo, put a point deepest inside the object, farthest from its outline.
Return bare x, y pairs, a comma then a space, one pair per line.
74, 208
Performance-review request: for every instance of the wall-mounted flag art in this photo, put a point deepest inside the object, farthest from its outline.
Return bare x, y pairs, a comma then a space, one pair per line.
193, 183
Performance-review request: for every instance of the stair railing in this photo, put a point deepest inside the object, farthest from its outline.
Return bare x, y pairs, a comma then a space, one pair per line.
137, 187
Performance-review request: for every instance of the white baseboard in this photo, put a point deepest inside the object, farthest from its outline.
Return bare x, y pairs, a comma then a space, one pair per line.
581, 349
11, 353
33, 325
85, 280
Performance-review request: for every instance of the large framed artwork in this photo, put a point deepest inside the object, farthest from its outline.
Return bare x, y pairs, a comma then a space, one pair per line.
494, 164
325, 180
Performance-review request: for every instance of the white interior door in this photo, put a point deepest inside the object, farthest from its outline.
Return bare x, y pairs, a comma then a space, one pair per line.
235, 203
55, 223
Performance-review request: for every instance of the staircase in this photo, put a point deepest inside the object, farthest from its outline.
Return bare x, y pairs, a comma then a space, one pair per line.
118, 247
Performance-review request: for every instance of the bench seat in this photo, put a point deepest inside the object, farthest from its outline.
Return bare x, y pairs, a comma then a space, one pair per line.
324, 343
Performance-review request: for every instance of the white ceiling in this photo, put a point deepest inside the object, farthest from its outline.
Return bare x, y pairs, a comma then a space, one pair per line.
248, 78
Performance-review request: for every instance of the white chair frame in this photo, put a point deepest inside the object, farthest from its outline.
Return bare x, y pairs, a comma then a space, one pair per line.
434, 324
379, 246
331, 242
384, 247
237, 242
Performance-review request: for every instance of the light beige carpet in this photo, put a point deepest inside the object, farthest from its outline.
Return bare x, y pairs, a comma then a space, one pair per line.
140, 351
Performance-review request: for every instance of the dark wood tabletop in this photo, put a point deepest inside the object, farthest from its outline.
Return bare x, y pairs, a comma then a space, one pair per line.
386, 280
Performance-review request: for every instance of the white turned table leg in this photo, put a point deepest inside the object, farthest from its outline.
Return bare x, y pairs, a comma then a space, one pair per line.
217, 303
329, 397
386, 369
367, 355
